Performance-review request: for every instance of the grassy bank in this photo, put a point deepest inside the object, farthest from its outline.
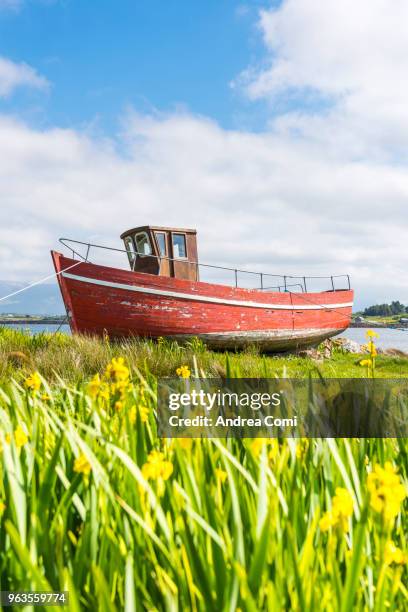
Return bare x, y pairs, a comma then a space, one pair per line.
75, 358
386, 321
93, 502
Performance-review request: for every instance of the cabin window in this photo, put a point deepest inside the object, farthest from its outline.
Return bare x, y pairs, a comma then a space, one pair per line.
143, 246
130, 249
179, 246
161, 243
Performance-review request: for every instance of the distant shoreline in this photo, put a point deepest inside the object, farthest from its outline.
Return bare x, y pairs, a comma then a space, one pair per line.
28, 321
61, 320
369, 325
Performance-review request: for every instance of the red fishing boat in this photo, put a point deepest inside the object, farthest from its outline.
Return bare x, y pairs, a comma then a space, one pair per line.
162, 295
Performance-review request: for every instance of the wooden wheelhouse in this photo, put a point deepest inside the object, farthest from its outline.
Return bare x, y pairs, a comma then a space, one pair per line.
164, 251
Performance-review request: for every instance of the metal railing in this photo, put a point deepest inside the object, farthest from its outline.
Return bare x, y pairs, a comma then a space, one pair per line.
284, 284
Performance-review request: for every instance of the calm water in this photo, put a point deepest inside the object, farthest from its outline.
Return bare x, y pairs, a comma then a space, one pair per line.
36, 329
388, 338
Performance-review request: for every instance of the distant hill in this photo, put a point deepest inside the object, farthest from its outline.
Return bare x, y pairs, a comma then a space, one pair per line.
40, 300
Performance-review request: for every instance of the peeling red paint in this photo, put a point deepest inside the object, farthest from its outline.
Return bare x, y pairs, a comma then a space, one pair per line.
97, 309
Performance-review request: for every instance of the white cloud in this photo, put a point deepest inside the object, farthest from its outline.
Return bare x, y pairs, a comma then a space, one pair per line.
14, 75
347, 56
323, 190
338, 48
259, 201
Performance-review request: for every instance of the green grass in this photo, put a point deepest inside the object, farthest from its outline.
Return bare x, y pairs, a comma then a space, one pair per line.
384, 319
75, 358
234, 526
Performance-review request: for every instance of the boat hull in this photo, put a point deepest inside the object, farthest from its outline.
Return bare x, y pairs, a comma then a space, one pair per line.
109, 301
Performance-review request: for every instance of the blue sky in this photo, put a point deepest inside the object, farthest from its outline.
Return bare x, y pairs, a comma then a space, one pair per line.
278, 129
102, 57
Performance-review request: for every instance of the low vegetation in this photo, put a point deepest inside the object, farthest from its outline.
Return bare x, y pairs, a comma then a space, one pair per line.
386, 310
76, 358
94, 503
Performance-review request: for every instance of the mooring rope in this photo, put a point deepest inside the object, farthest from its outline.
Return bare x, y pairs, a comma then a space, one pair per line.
55, 274
6, 297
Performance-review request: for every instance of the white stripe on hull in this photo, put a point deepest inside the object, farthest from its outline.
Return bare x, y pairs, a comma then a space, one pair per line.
204, 298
